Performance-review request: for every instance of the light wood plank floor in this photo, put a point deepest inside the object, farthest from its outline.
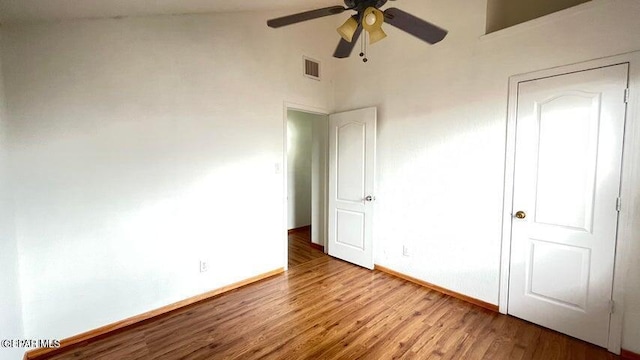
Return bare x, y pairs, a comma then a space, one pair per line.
300, 250
328, 309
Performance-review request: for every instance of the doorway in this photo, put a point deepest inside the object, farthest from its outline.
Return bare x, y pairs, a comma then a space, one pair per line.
306, 179
342, 180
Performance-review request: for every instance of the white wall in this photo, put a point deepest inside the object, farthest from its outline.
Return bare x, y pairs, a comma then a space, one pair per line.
10, 306
442, 129
299, 155
143, 145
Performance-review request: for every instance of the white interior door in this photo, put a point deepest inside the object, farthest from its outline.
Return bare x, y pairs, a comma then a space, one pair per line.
569, 139
352, 144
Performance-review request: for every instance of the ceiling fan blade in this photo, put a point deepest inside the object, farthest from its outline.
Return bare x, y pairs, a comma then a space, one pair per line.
344, 47
304, 16
415, 26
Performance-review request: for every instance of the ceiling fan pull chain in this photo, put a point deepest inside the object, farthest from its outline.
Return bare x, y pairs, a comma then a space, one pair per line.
363, 47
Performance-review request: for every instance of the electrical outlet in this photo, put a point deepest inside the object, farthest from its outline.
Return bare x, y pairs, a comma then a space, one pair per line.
405, 250
204, 266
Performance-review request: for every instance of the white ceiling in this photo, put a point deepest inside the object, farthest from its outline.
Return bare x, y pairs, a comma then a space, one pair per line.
37, 10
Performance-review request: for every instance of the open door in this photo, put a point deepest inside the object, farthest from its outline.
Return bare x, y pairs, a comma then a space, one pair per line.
352, 146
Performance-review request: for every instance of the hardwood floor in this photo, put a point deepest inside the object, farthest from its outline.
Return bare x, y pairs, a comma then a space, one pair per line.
328, 309
299, 249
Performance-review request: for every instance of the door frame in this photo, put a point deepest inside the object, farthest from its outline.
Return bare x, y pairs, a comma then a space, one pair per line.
630, 176
310, 110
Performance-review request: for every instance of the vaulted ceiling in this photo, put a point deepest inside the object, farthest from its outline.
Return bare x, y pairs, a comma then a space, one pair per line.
37, 10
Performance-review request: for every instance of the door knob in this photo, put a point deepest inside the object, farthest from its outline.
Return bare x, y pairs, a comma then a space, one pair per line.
521, 215
370, 198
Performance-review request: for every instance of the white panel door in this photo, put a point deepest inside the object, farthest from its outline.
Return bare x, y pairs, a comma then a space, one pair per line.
569, 138
352, 145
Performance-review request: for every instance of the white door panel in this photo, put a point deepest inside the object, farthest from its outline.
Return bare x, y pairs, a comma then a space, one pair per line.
566, 174
350, 227
352, 138
350, 147
567, 178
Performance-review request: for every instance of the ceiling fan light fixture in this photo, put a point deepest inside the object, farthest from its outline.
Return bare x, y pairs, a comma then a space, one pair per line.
372, 21
347, 29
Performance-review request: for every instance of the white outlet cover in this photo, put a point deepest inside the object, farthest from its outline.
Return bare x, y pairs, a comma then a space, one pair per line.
405, 250
204, 266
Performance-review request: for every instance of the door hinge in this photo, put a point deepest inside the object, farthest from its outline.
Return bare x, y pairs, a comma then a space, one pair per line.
618, 204
612, 306
626, 95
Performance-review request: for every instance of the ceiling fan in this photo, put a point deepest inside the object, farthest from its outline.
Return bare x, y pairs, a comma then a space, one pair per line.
370, 18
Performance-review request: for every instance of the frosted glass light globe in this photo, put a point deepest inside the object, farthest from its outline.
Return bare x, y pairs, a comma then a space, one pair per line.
370, 19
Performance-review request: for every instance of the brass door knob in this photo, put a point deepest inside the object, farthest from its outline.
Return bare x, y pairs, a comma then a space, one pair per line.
521, 215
